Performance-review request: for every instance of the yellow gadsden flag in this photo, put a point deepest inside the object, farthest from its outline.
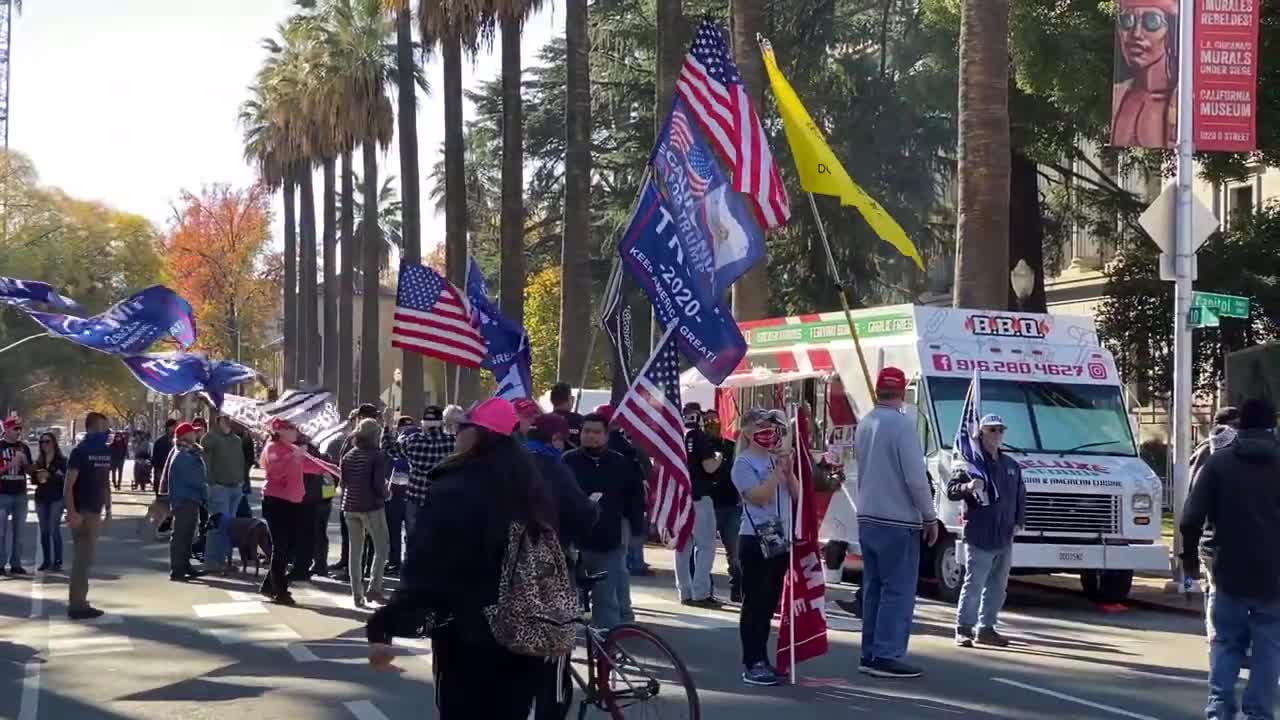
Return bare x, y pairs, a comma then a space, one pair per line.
820, 172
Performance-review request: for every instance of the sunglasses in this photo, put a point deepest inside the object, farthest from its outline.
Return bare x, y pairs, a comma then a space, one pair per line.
1151, 20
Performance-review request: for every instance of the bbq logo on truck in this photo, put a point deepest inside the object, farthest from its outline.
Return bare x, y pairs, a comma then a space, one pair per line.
1007, 326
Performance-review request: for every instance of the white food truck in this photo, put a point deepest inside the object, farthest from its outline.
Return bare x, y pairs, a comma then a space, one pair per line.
1093, 505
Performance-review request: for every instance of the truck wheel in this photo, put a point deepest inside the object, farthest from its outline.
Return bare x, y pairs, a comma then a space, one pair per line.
947, 569
1107, 587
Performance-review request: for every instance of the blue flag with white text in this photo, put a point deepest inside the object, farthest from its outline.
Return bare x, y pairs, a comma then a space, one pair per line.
130, 326
29, 293
509, 357
651, 250
968, 446
177, 373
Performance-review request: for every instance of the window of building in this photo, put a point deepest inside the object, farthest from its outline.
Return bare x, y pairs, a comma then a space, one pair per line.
1239, 201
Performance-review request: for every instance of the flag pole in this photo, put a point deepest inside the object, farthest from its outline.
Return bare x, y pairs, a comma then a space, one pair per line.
844, 298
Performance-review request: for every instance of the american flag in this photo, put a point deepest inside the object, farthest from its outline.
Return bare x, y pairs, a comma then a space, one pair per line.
434, 319
968, 447
711, 84
650, 415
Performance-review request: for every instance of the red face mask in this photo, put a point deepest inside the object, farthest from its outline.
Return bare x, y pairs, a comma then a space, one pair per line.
767, 438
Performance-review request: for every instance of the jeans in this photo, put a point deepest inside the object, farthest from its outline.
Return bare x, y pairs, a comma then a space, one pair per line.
411, 512
84, 548
890, 567
761, 592
701, 550
185, 515
635, 549
373, 524
222, 500
49, 513
1234, 622
13, 518
728, 524
607, 610
395, 508
986, 582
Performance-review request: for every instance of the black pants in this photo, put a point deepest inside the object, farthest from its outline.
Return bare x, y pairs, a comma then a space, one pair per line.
304, 553
761, 591
555, 696
184, 533
320, 538
287, 522
395, 507
465, 673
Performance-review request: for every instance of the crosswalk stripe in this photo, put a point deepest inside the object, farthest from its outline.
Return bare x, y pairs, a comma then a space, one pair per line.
365, 710
242, 635
229, 609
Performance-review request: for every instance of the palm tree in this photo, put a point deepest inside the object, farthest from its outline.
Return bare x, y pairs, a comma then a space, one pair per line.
455, 25
388, 229
575, 268
346, 288
751, 292
982, 228
363, 66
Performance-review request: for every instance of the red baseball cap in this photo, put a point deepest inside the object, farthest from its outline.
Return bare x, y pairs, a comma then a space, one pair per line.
891, 378
493, 414
551, 424
605, 411
13, 422
527, 408
183, 429
278, 424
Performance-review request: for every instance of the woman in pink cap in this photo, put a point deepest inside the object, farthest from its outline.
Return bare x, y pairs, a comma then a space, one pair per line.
454, 564
284, 463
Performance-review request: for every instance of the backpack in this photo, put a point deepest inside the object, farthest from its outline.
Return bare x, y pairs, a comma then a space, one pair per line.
534, 584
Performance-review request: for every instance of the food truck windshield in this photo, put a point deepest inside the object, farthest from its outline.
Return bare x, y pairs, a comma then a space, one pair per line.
1048, 417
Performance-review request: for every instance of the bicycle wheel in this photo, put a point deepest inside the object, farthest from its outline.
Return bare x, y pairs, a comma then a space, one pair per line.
646, 678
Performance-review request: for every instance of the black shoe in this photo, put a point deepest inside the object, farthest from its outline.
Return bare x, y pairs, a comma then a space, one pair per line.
57, 567
964, 637
44, 566
341, 576
299, 577
284, 599
990, 638
3, 572
196, 573
735, 595
177, 577
853, 607
18, 570
339, 567
85, 613
883, 668
392, 570
709, 603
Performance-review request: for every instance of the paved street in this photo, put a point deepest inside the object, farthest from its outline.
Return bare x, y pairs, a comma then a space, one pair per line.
210, 649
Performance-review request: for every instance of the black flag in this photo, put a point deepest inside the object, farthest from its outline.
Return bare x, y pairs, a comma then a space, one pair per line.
616, 321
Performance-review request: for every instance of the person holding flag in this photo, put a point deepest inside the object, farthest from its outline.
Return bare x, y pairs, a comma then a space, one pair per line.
995, 497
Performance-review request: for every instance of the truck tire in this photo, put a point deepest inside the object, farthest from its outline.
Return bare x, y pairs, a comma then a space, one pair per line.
947, 569
1107, 587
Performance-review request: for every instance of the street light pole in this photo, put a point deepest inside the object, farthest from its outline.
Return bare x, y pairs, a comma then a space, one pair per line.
1183, 254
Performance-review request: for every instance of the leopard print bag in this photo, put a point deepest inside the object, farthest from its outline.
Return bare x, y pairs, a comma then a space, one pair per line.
534, 584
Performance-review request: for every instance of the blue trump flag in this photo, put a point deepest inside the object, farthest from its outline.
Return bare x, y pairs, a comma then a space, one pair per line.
27, 293
651, 249
130, 326
968, 446
177, 373
716, 227
509, 357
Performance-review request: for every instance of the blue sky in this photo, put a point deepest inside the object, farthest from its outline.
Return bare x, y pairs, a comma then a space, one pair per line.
130, 101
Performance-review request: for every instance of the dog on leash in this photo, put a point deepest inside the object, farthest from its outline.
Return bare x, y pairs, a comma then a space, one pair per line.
157, 514
249, 535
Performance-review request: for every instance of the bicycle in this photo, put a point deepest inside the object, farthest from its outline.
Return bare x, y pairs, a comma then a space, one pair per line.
627, 667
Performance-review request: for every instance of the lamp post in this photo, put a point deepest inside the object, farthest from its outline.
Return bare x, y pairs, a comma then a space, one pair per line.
1023, 279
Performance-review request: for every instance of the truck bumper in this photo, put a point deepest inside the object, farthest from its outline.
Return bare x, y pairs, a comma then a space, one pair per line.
1090, 557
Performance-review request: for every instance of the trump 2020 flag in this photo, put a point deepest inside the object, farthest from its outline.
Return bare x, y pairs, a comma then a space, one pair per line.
968, 447
27, 293
805, 586
129, 327
177, 373
508, 357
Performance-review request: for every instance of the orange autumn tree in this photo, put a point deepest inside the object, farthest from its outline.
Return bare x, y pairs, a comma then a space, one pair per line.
219, 254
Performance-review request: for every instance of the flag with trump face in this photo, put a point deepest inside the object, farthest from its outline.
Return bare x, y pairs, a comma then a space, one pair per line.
434, 319
650, 415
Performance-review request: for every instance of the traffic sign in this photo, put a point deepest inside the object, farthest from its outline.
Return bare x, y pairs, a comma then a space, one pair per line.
1232, 306
1199, 317
1157, 220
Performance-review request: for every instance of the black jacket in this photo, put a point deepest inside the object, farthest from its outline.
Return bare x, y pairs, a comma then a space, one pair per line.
723, 491
991, 526
622, 495
159, 455
1238, 491
576, 511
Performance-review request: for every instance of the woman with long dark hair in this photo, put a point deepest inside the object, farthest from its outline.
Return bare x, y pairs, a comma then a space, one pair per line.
48, 474
454, 565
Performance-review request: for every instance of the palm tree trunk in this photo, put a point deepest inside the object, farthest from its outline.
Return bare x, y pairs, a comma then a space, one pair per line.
751, 291
330, 241
575, 268
290, 287
511, 278
455, 191
982, 228
346, 289
308, 327
412, 397
370, 342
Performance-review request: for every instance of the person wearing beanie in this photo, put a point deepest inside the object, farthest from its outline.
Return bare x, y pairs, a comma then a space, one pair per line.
895, 513
364, 411
366, 471
1144, 96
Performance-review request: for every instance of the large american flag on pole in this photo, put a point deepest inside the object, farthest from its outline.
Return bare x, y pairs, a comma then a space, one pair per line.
712, 86
650, 415
434, 319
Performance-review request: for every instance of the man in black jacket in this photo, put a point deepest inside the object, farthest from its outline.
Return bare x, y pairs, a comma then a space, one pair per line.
1238, 493
160, 452
616, 484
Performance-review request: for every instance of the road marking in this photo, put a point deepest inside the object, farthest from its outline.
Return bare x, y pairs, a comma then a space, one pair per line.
365, 710
254, 634
242, 596
229, 609
30, 701
1076, 700
37, 596
302, 653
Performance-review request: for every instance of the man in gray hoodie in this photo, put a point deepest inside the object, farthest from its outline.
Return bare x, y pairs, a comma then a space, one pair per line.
895, 508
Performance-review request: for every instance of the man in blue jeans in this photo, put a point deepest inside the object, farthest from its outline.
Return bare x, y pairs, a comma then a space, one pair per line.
1232, 519
224, 463
895, 509
995, 498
